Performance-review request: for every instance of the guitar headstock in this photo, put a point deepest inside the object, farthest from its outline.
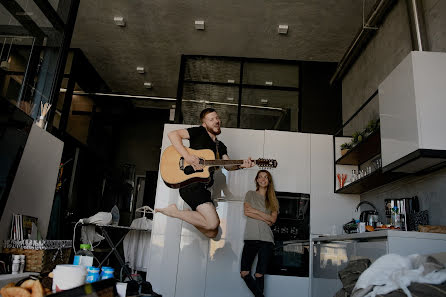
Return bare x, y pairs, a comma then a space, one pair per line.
266, 163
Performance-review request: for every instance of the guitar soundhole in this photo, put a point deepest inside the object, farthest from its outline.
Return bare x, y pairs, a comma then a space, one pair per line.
190, 170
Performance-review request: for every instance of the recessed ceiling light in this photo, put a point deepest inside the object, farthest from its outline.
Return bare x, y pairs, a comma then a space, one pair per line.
140, 69
231, 81
230, 98
199, 25
283, 29
148, 85
119, 21
268, 83
264, 101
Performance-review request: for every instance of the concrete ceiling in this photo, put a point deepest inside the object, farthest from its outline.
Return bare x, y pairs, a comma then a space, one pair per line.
158, 32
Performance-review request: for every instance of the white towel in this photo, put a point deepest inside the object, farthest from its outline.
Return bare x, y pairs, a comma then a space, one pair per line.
391, 272
137, 244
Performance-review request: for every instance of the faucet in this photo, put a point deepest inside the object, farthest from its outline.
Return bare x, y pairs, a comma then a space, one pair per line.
366, 202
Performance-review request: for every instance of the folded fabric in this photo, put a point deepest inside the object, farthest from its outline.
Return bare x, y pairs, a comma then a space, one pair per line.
391, 272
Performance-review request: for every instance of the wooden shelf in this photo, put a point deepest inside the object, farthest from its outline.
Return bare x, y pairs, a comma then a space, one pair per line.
371, 181
363, 151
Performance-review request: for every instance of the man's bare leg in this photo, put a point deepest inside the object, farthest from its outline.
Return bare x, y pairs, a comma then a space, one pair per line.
205, 218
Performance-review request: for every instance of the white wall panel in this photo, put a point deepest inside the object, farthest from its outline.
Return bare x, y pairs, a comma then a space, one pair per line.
292, 152
223, 267
163, 263
286, 286
241, 144
327, 208
32, 192
192, 262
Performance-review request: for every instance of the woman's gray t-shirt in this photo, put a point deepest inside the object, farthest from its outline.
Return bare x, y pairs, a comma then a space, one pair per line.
257, 229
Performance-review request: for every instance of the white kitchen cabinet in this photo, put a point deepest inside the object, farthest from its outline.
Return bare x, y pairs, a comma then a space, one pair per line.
412, 105
292, 152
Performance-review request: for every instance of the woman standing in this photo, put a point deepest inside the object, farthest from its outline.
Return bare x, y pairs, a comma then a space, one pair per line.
261, 208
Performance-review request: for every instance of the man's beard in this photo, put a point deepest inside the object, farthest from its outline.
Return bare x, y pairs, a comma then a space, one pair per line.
212, 131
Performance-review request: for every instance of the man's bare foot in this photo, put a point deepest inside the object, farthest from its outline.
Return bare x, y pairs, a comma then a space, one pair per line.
170, 210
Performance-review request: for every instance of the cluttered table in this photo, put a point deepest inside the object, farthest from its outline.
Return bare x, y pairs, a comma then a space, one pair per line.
106, 230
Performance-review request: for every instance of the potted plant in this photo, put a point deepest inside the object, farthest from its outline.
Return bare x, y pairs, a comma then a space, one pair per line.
345, 147
356, 138
372, 126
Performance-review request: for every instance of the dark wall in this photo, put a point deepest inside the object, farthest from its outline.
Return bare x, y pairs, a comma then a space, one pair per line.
138, 139
321, 104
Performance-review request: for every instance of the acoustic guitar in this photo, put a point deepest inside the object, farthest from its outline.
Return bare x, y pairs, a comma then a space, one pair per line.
177, 173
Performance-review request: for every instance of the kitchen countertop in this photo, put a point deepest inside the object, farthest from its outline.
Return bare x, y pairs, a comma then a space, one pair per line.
381, 234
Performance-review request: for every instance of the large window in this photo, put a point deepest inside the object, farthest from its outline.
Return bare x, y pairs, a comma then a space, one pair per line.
34, 39
247, 93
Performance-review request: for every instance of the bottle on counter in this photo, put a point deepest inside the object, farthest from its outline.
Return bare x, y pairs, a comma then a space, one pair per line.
395, 217
22, 263
15, 269
84, 256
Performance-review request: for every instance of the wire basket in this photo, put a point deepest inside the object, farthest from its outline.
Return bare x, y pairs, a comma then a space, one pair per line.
40, 255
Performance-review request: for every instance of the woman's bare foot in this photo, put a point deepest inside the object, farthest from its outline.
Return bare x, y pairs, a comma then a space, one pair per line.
170, 210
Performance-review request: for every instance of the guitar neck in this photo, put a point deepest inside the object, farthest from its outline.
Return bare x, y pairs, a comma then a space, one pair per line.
223, 162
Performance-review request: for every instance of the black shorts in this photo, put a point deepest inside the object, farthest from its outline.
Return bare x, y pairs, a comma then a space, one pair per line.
195, 194
264, 249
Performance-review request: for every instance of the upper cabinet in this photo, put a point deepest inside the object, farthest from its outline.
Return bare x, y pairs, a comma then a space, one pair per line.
412, 113
292, 152
409, 135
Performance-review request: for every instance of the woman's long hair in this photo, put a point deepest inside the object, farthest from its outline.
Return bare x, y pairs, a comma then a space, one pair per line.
271, 202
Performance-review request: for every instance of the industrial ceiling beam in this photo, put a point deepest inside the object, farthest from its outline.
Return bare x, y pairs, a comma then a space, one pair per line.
25, 20
51, 14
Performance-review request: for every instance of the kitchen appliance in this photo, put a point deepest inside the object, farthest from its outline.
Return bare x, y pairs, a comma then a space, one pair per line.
370, 217
409, 211
291, 235
293, 220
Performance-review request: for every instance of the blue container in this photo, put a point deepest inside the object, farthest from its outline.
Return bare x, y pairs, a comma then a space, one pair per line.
92, 274
107, 272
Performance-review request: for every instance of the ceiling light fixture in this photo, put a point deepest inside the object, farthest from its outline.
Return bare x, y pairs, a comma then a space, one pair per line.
140, 69
264, 101
282, 29
231, 81
268, 83
148, 85
199, 25
119, 21
230, 98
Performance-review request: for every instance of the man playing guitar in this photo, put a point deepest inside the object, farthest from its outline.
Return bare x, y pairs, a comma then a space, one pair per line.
203, 214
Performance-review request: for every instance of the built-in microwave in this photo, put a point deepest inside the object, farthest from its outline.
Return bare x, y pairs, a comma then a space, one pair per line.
293, 220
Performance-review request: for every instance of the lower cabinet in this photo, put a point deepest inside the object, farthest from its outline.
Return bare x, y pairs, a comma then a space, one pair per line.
332, 254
